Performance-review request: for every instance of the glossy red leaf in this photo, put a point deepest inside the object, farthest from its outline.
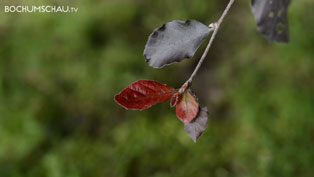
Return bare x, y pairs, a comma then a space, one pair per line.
197, 127
187, 107
143, 94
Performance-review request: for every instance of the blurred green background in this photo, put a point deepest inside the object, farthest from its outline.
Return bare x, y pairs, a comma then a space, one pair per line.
60, 72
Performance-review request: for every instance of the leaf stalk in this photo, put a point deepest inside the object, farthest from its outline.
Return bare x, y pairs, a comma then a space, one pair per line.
216, 28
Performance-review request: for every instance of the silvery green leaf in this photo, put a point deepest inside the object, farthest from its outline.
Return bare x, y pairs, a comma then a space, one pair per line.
174, 41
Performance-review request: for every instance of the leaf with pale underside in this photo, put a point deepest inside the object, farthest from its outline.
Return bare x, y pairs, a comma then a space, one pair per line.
271, 19
197, 127
174, 41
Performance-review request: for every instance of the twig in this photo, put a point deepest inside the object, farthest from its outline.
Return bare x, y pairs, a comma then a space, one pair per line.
216, 28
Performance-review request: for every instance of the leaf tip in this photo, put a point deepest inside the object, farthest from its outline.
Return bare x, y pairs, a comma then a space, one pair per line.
197, 127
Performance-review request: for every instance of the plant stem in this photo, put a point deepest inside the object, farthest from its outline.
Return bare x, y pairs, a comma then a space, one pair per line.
216, 28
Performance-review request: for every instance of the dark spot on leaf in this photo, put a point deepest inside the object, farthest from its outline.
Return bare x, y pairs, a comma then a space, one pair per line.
155, 34
187, 23
187, 56
162, 28
146, 58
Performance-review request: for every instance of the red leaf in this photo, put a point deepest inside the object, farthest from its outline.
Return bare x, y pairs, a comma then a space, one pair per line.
143, 94
187, 108
175, 99
197, 127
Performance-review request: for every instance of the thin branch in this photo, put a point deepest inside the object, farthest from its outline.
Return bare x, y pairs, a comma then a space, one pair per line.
216, 28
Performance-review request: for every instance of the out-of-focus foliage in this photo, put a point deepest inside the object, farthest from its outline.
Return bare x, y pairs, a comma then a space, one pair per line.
60, 72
